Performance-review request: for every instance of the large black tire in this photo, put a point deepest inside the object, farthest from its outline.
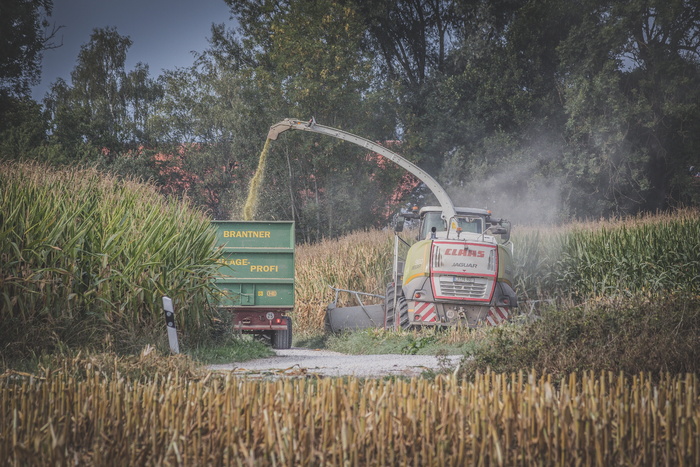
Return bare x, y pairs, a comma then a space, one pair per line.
283, 339
401, 305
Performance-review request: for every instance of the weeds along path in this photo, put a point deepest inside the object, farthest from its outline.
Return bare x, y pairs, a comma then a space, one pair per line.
297, 362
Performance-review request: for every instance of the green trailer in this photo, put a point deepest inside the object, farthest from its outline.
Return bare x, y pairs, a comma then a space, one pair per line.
256, 277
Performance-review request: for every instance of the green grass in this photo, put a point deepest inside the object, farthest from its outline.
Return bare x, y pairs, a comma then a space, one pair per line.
315, 341
230, 349
379, 341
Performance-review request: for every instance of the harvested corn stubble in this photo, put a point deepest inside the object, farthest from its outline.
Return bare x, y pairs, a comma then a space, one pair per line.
496, 419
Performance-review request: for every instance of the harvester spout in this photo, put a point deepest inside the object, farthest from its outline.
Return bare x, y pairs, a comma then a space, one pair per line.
278, 128
287, 124
448, 210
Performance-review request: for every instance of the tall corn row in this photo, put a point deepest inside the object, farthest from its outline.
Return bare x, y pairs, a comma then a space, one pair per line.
360, 261
535, 253
77, 245
498, 419
637, 258
641, 255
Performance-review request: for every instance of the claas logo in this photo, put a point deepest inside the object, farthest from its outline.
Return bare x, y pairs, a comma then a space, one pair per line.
465, 252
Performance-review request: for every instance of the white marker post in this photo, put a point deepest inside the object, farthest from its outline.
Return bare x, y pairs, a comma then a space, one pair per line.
170, 323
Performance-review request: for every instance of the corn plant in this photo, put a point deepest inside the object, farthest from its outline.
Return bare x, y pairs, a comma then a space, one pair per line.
652, 254
84, 251
360, 261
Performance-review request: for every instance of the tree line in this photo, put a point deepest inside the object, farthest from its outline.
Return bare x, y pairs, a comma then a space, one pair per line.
543, 110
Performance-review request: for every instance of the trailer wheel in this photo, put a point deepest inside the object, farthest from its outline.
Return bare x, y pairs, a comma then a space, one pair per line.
401, 305
283, 339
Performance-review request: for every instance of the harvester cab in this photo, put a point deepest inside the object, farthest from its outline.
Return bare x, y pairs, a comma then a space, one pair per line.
466, 221
458, 271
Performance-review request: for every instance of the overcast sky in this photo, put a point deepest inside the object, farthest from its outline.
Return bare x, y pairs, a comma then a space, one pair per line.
164, 32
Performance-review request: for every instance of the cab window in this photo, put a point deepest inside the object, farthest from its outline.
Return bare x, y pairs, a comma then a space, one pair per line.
433, 219
470, 224
430, 220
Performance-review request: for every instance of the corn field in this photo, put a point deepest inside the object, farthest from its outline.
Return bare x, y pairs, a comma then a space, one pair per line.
80, 247
360, 261
651, 254
606, 419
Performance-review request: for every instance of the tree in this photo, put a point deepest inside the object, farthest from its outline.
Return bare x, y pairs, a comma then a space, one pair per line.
104, 106
597, 97
304, 59
632, 88
593, 102
24, 35
22, 128
411, 42
490, 118
411, 37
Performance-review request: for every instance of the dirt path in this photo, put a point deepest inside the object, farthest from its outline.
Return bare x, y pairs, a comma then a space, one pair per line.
298, 362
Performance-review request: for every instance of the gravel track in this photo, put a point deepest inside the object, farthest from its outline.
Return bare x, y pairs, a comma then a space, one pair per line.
300, 362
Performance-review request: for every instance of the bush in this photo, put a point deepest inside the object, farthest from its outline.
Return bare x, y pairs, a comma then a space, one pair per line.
639, 334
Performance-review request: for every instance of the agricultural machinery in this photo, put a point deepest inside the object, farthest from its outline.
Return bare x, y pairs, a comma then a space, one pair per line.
458, 272
256, 277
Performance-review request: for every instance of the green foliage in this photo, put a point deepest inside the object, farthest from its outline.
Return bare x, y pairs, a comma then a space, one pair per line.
22, 127
642, 333
629, 70
591, 106
23, 38
104, 105
643, 255
228, 350
87, 258
415, 346
379, 341
298, 59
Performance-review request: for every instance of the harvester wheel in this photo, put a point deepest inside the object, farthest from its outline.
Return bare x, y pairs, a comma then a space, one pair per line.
401, 305
283, 339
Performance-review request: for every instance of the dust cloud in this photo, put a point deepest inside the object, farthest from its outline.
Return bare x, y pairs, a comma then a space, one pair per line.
518, 189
